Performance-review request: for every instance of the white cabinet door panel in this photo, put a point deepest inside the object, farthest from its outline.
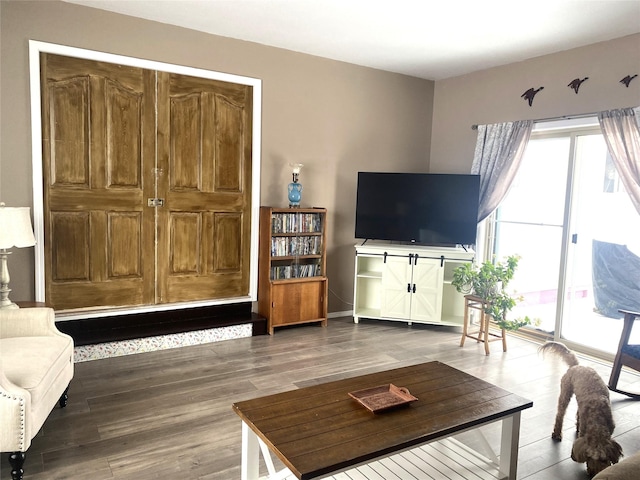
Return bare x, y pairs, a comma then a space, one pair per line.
426, 301
396, 280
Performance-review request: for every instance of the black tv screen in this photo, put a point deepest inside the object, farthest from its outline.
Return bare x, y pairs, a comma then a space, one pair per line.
424, 208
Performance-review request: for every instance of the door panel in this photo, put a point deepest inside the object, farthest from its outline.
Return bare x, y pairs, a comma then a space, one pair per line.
185, 234
231, 128
186, 142
123, 136
530, 224
95, 115
227, 238
396, 279
291, 302
71, 248
603, 222
68, 126
125, 245
205, 147
426, 302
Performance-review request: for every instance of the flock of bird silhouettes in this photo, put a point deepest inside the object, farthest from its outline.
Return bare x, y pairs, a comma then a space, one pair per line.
574, 84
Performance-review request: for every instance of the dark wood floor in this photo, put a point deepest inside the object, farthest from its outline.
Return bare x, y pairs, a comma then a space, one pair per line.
167, 414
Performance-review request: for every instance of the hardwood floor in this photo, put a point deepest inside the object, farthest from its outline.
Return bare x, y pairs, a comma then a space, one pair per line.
167, 414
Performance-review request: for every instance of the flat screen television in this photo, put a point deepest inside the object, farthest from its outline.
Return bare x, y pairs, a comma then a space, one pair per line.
423, 208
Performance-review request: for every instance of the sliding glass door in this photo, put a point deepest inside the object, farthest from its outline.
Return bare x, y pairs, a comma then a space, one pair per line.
603, 250
530, 222
569, 218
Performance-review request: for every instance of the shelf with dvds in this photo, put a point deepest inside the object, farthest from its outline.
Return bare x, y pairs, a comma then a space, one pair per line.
292, 281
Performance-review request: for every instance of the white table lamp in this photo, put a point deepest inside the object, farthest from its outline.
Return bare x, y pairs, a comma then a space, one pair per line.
15, 231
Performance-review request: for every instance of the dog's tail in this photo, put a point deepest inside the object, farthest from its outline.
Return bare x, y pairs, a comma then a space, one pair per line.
562, 351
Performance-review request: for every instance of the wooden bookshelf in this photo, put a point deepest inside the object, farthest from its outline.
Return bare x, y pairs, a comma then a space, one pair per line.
292, 281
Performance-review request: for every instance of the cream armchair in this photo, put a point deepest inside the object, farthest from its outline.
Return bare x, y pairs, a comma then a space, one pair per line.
36, 366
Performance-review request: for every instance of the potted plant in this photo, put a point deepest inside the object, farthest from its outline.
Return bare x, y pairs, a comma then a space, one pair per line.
488, 282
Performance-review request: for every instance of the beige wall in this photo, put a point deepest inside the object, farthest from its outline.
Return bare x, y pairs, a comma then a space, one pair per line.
494, 95
333, 117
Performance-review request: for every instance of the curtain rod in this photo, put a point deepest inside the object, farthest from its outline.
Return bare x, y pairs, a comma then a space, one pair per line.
550, 119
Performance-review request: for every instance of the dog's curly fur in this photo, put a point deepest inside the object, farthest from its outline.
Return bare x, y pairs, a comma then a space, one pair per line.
594, 421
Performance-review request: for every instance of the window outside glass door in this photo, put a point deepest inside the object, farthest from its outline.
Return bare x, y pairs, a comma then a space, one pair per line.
570, 220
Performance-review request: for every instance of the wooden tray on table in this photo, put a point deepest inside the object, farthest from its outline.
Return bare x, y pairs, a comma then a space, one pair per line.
383, 397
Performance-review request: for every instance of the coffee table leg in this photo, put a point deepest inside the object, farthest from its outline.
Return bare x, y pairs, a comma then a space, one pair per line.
250, 463
509, 446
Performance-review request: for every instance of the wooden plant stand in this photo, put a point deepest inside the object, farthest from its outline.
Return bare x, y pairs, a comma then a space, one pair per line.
483, 334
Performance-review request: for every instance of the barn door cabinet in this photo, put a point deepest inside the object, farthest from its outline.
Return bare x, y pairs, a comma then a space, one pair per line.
292, 281
408, 283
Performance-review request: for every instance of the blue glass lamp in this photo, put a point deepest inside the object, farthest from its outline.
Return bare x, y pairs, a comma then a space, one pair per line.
295, 188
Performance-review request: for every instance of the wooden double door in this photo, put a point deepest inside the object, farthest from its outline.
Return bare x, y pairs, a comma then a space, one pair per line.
146, 185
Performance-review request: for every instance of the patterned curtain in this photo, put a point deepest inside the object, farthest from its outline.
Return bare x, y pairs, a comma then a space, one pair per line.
499, 150
621, 131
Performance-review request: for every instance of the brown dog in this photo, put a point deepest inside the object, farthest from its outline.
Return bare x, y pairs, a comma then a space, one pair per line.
594, 421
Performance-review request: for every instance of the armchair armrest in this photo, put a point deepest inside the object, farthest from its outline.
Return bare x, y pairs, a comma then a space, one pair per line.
15, 402
36, 366
28, 322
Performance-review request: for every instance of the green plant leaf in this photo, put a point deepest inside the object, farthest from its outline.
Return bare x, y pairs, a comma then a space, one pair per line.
488, 281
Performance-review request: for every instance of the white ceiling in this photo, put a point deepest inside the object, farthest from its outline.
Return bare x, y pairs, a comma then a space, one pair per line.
432, 39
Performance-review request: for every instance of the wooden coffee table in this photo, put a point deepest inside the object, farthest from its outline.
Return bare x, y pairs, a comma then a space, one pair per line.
319, 430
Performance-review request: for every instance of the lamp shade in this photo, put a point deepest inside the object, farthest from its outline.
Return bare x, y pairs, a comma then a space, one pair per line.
15, 227
295, 167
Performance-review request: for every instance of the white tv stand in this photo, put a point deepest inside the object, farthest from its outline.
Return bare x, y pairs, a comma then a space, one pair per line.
409, 283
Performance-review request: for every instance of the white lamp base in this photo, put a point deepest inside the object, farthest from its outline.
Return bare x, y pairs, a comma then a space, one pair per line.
4, 281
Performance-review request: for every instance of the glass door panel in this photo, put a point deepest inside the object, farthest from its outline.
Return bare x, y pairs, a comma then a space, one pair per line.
529, 223
603, 252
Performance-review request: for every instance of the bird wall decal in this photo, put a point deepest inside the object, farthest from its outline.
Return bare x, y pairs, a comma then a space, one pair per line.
529, 94
627, 80
576, 82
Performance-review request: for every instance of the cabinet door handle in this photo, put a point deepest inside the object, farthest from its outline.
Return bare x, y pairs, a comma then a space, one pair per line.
415, 261
385, 257
408, 288
441, 260
414, 288
410, 258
